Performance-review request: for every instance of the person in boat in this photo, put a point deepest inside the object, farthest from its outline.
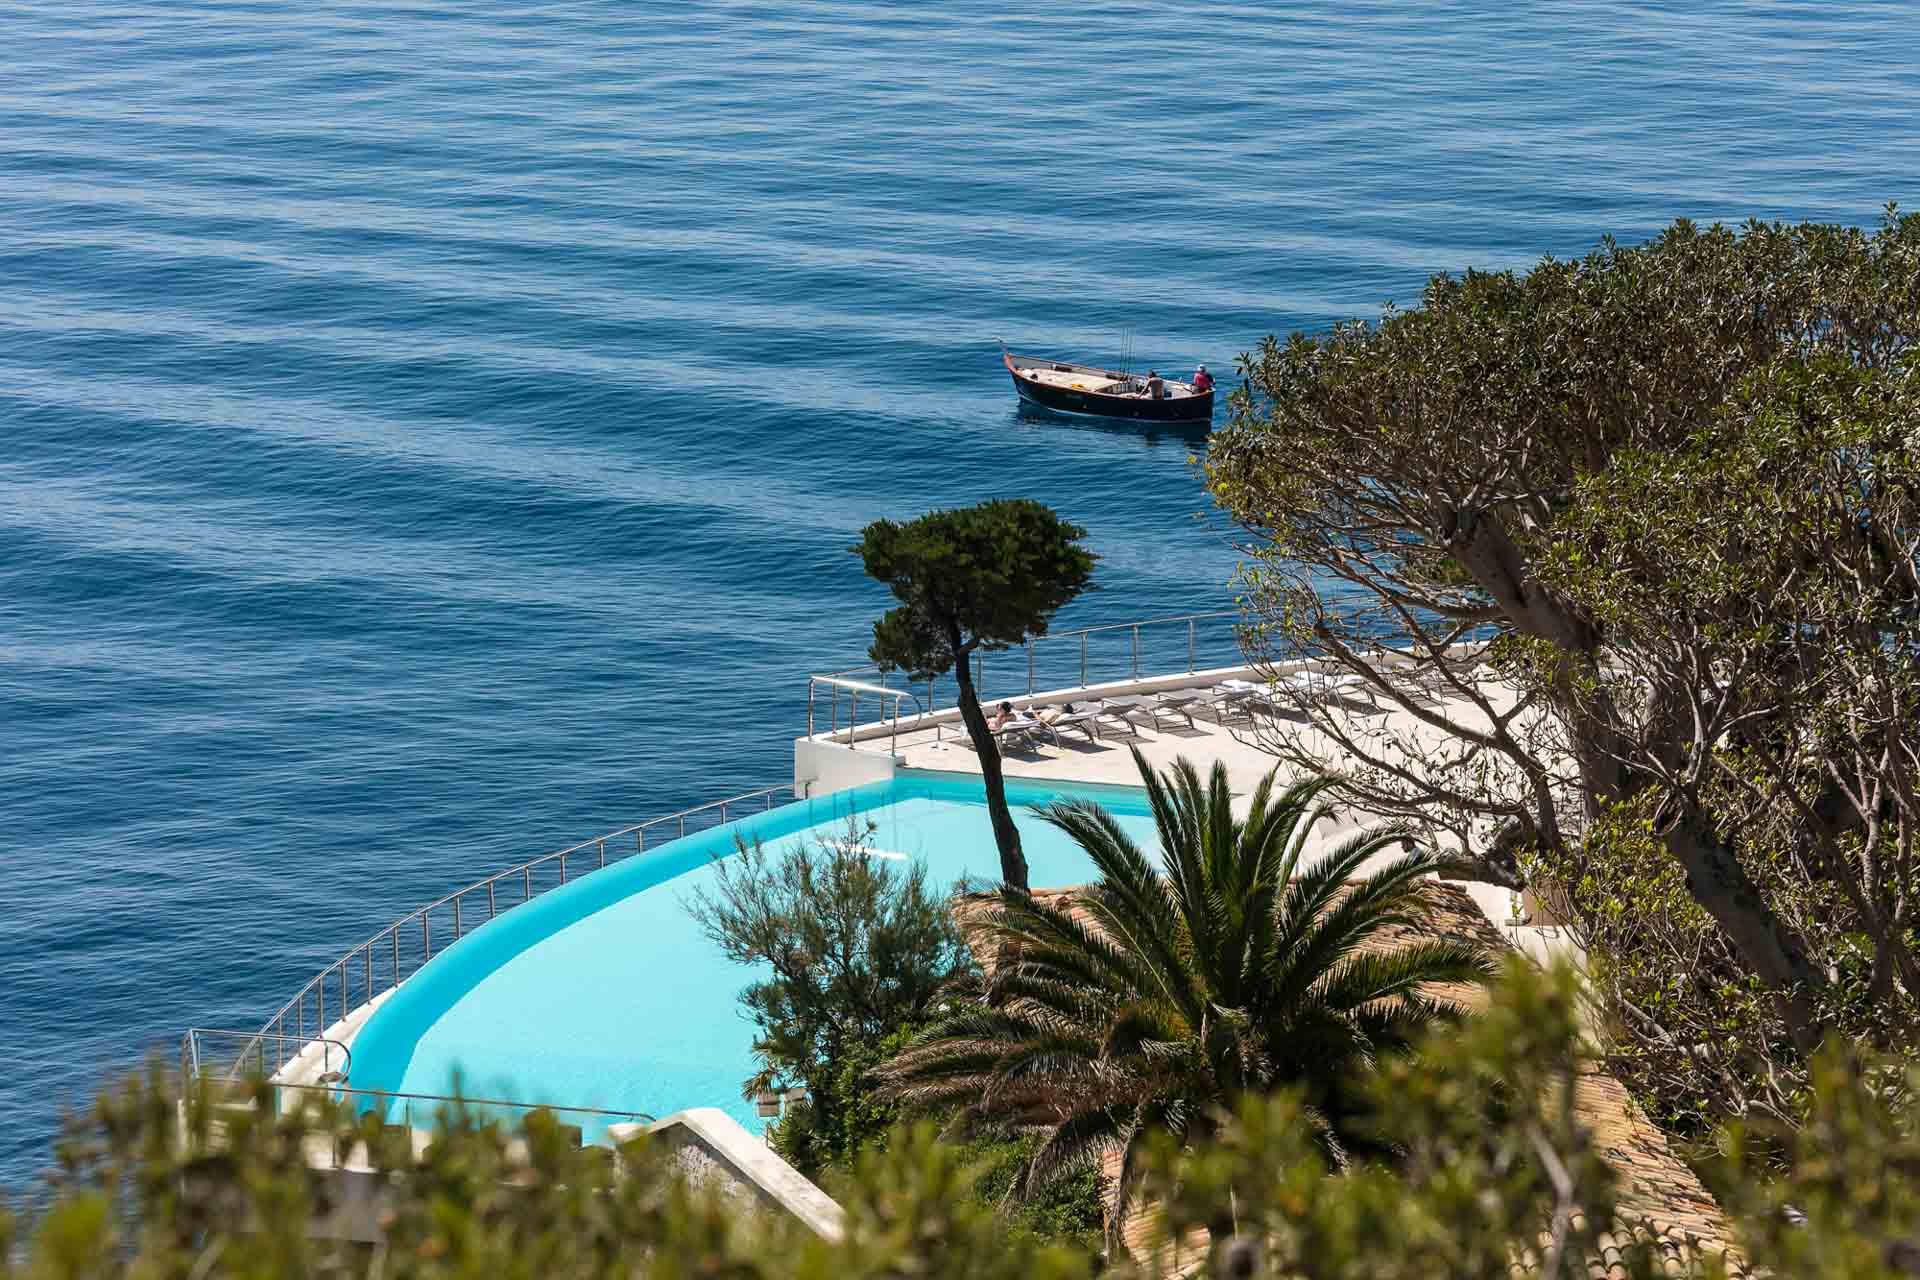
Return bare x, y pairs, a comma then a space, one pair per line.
1156, 388
1202, 380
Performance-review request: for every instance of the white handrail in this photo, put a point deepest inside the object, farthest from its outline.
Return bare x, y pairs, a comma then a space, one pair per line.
862, 686
856, 688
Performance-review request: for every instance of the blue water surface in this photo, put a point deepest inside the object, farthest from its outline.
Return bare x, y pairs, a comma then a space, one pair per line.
431, 430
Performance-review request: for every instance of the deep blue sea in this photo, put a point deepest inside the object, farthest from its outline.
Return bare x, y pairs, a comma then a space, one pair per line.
432, 432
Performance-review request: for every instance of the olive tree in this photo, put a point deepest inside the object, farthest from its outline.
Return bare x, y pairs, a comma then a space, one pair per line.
1769, 568
976, 578
1407, 485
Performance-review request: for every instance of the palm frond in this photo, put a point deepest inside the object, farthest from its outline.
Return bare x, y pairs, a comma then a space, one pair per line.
1344, 917
1380, 975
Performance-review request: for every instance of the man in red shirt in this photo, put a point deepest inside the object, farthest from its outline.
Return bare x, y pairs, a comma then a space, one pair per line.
1202, 380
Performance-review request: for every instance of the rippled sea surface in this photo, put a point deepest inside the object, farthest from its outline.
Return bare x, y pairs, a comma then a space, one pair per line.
431, 433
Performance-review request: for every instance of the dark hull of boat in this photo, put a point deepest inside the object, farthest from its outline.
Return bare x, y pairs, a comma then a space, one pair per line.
1194, 408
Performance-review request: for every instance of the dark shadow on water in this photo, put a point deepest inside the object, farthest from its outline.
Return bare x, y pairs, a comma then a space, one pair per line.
1190, 436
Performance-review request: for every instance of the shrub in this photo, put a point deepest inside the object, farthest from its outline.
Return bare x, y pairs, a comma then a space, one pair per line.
856, 949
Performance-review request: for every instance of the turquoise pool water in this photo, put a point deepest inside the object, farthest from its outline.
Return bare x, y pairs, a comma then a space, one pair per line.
604, 993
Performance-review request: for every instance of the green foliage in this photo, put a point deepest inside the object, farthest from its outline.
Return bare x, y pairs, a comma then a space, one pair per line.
916, 1213
985, 576
856, 949
849, 1117
229, 1194
1771, 551
981, 577
1234, 970
1486, 1173
1689, 1030
1071, 1208
1491, 1166
1674, 488
1851, 1206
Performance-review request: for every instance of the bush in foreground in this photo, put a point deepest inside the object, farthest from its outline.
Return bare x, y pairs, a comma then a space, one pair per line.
1488, 1168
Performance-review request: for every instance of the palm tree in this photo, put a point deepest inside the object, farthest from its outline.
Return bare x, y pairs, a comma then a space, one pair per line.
1151, 998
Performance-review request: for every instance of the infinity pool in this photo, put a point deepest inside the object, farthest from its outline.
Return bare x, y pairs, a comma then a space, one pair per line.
605, 993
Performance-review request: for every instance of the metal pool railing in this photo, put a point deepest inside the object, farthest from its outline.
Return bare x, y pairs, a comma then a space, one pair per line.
854, 688
381, 962
232, 1080
1058, 660
227, 1056
433, 1103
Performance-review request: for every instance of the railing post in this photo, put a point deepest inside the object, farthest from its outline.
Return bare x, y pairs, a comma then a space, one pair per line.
602, 846
321, 1013
396, 956
369, 955
640, 840
456, 917
1136, 651
683, 826
426, 938
1083, 659
526, 879
1029, 668
723, 813
346, 1005
563, 868
811, 686
1192, 663
492, 911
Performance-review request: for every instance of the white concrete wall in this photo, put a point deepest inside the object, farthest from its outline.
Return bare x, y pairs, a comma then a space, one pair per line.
713, 1148
822, 767
709, 1146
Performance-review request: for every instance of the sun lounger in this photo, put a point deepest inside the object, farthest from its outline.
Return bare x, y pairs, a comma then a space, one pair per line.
1130, 706
1024, 728
1116, 720
1227, 699
1087, 722
1324, 686
1019, 731
1180, 702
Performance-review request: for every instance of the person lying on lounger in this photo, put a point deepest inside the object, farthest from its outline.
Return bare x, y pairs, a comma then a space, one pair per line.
1001, 718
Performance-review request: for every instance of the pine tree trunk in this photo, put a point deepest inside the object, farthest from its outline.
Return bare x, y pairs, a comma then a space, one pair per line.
1013, 861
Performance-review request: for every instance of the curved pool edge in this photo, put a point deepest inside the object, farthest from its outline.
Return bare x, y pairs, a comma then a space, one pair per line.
409, 1009
387, 1045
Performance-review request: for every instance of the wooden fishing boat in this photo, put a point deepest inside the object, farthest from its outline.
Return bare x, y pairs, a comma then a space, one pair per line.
1104, 393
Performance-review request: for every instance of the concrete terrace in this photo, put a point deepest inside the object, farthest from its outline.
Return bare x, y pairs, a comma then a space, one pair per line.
1098, 753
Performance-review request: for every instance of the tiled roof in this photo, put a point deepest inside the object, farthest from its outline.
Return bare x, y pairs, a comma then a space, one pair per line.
1656, 1186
